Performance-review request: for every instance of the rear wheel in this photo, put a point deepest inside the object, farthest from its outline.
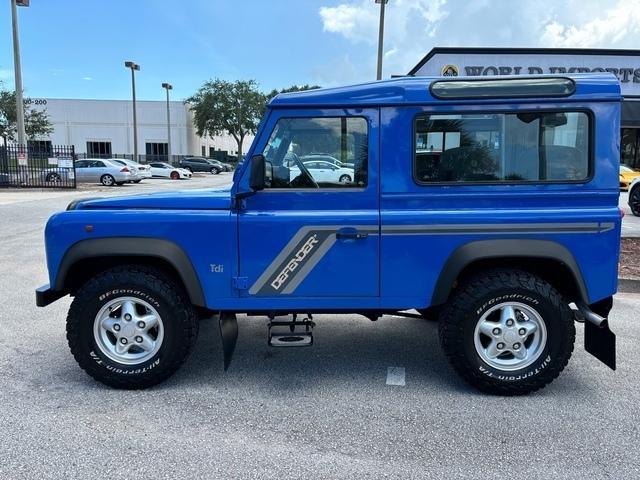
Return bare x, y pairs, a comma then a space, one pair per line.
131, 327
507, 332
53, 177
634, 200
107, 180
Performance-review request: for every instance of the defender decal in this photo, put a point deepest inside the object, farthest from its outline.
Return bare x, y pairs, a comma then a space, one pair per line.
299, 256
295, 262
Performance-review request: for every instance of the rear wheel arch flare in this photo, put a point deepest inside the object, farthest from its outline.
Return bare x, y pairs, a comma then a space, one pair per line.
492, 253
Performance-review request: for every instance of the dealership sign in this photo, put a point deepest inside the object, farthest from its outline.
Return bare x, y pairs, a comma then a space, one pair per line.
625, 67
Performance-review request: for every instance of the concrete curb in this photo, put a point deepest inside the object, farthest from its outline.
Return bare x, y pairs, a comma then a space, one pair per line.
628, 285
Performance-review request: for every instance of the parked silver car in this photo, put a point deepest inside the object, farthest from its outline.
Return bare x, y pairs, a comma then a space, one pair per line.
102, 171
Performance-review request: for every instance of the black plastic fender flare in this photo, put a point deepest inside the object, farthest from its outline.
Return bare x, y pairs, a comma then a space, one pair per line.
134, 247
487, 249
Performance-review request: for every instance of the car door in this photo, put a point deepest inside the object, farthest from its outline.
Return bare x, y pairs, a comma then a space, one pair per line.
81, 170
96, 170
300, 240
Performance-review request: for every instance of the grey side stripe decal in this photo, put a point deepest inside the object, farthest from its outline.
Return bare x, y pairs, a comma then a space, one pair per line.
488, 228
311, 243
299, 256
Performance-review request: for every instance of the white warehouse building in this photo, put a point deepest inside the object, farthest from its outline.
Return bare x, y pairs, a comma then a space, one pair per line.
105, 127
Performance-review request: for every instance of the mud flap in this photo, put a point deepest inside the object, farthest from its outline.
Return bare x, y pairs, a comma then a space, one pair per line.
600, 342
229, 335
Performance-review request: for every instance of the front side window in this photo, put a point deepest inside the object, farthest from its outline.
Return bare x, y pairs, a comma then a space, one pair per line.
497, 147
321, 152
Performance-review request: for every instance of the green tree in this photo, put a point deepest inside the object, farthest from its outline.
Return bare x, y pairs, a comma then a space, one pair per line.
36, 122
293, 88
232, 107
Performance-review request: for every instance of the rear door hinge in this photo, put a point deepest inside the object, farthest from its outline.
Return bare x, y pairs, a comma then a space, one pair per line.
240, 283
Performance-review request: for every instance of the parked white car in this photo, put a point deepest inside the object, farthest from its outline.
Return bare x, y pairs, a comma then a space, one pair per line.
138, 171
161, 169
325, 172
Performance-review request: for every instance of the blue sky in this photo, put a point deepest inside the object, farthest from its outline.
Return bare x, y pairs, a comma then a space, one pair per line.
76, 49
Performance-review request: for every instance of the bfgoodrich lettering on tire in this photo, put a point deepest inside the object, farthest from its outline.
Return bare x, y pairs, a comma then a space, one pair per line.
131, 327
507, 332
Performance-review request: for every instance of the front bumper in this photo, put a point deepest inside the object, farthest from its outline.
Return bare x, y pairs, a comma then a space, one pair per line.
45, 295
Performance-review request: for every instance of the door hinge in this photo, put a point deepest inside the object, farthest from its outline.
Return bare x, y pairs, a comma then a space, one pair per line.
240, 283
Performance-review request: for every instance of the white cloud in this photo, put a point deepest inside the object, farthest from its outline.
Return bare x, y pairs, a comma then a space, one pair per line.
354, 22
87, 78
614, 26
413, 27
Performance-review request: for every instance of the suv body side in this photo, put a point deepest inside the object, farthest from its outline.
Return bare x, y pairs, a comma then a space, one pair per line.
396, 269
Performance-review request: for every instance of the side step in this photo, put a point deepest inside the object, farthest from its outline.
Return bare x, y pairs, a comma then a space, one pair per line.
291, 334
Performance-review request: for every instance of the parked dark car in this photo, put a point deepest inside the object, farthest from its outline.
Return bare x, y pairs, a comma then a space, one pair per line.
200, 164
225, 167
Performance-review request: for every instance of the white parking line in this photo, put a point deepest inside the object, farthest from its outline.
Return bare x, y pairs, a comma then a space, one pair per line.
395, 376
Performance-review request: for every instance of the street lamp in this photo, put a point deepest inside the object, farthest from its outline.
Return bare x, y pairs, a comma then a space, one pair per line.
380, 37
18, 69
134, 66
167, 87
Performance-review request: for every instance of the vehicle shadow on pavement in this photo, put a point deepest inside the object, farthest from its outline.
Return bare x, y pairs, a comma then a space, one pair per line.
347, 348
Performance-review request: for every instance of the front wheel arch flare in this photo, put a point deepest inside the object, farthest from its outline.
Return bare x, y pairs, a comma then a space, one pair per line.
134, 247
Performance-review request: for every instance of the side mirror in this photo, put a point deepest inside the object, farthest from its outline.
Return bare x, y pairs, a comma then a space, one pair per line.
257, 173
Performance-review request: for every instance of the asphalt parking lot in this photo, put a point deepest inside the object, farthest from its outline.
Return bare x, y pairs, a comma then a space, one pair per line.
320, 412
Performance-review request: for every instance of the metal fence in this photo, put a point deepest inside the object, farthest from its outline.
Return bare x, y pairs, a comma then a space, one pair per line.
37, 166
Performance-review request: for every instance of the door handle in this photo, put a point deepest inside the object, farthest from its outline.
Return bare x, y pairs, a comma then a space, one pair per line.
351, 234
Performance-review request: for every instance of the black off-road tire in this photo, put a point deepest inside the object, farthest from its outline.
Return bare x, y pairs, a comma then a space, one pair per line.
167, 297
473, 298
634, 201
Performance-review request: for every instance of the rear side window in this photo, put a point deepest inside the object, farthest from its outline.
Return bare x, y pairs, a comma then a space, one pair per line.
502, 147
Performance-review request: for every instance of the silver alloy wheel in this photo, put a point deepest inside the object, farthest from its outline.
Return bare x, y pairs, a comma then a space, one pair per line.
107, 180
128, 330
510, 336
345, 179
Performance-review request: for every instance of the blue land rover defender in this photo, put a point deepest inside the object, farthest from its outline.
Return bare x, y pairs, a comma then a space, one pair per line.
487, 204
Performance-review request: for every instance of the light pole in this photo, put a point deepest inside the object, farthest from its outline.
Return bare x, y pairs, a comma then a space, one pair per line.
380, 37
167, 87
134, 66
18, 69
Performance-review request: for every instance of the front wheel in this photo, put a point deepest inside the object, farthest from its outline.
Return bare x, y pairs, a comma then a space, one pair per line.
174, 176
507, 332
345, 179
634, 201
214, 171
131, 327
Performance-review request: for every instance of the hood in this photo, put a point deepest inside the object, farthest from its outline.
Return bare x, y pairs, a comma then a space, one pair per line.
206, 199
